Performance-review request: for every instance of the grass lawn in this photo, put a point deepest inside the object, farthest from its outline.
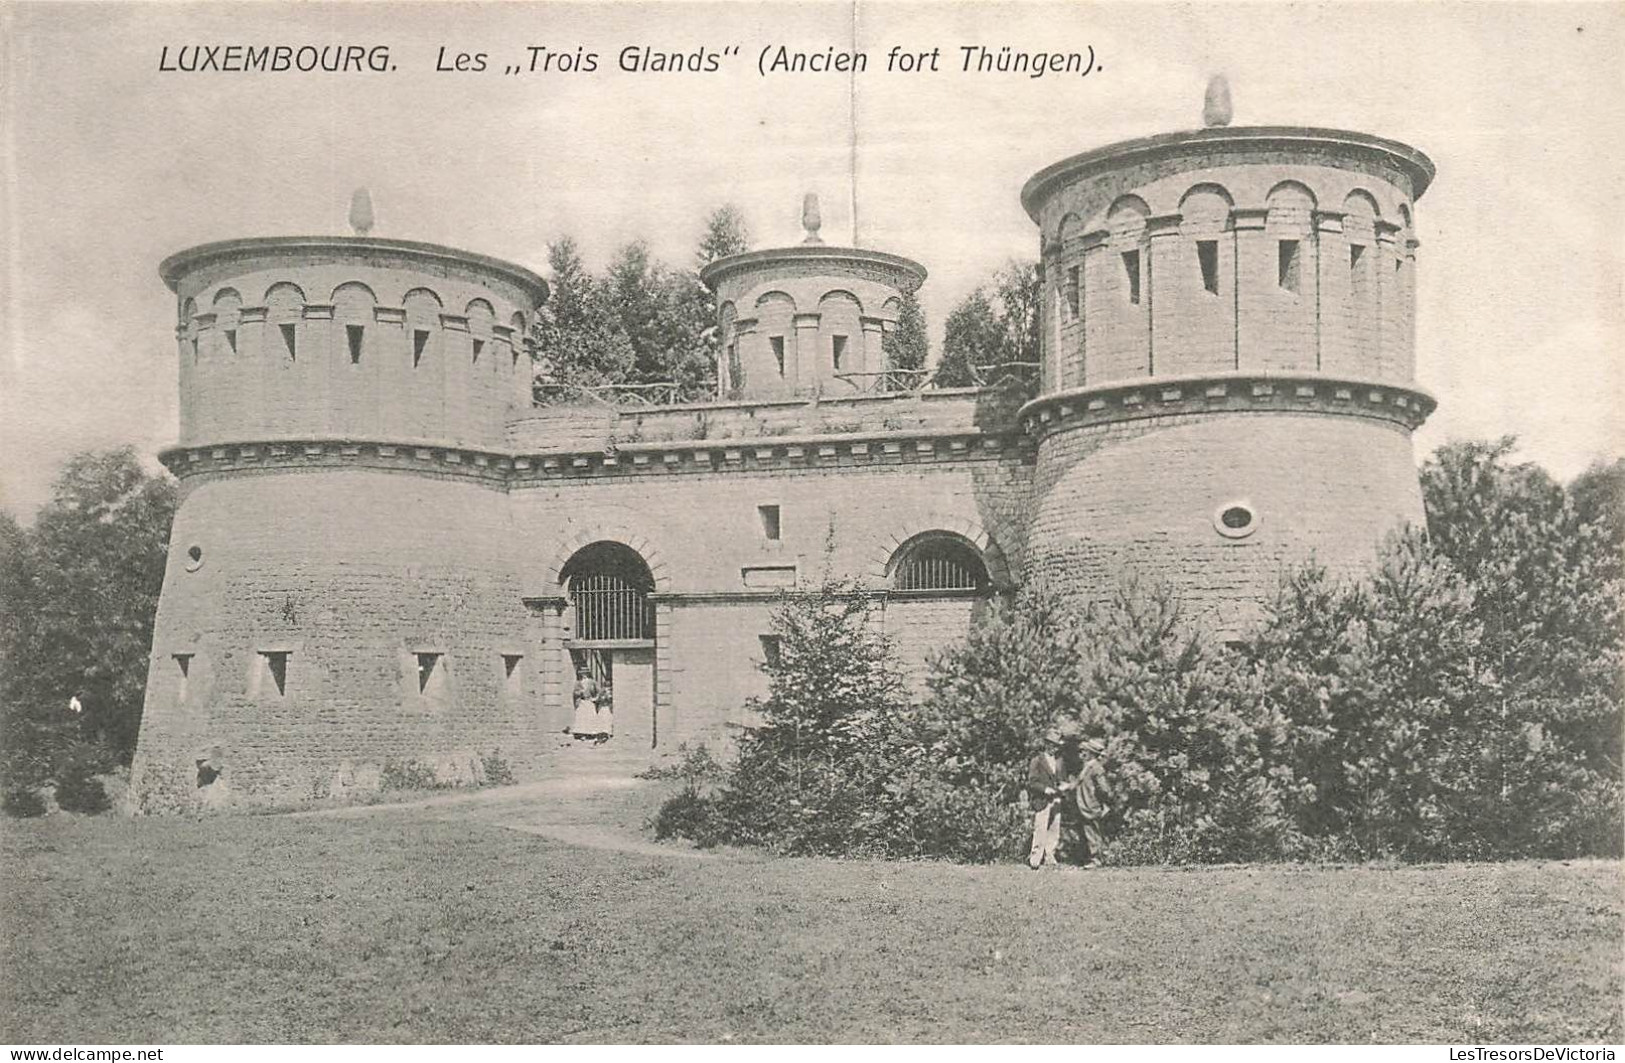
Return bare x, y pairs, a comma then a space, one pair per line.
402, 926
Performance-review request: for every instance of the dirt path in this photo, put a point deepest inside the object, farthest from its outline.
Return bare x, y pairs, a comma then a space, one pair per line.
591, 810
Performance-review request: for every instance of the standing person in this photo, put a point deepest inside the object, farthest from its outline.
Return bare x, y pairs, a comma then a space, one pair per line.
1045, 785
1091, 797
585, 724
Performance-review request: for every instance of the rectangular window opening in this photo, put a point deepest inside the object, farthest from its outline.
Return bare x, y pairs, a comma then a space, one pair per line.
1289, 274
837, 350
1131, 269
510, 664
1207, 256
276, 666
420, 340
231, 339
355, 333
290, 340
777, 343
770, 650
1073, 297
770, 522
479, 345
428, 665
183, 661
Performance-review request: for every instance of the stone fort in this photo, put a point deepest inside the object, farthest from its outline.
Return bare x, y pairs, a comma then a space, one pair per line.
389, 553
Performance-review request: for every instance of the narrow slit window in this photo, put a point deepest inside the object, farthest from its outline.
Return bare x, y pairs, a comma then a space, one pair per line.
777, 343
183, 662
770, 522
290, 340
1073, 296
420, 341
479, 345
355, 334
1207, 256
1289, 272
428, 667
275, 663
231, 339
770, 650
837, 351
510, 664
194, 352
1359, 276
1131, 270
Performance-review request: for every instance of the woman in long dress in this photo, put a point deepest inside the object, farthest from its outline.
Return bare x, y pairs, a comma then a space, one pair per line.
586, 724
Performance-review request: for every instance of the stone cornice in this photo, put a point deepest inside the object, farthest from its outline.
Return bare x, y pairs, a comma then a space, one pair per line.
1204, 143
1274, 392
690, 456
906, 274
173, 268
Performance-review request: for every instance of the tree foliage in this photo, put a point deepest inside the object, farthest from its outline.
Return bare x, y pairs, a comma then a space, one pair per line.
907, 346
642, 321
78, 592
997, 323
1458, 700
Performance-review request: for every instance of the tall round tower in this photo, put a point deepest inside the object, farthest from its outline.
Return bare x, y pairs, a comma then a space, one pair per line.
809, 319
341, 597
1228, 357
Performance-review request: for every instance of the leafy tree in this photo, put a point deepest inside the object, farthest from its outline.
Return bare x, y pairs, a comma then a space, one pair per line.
989, 328
578, 334
1018, 291
1545, 570
1599, 498
80, 590
973, 335
906, 346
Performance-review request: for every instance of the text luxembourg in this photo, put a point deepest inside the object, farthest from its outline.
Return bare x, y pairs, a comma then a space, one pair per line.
275, 58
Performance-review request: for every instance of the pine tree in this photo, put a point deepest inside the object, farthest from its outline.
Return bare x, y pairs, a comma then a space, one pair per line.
906, 346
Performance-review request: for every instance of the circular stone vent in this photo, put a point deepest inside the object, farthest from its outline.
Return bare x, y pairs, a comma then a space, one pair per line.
1235, 520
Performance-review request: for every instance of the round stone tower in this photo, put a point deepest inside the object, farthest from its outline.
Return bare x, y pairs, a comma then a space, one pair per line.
807, 320
1228, 356
341, 600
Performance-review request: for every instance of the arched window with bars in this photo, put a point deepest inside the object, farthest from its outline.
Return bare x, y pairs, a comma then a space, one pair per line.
938, 562
609, 586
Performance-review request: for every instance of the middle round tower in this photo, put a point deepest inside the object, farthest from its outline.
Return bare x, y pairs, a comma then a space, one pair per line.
801, 321
1228, 360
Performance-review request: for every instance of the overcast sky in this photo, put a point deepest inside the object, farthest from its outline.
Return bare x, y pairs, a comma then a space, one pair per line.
110, 165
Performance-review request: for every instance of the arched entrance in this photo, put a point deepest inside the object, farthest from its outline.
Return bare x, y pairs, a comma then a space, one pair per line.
610, 620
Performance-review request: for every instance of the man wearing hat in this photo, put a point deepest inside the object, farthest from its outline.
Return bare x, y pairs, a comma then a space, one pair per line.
1045, 785
1090, 796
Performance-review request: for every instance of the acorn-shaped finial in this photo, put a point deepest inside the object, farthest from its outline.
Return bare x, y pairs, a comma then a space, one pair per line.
810, 218
1216, 110
361, 212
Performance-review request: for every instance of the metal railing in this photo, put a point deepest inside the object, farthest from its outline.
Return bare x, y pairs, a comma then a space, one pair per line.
608, 607
663, 393
998, 372
886, 381
933, 571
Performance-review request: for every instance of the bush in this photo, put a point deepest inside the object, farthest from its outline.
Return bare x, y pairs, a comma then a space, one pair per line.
23, 803
497, 771
687, 814
79, 791
409, 776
